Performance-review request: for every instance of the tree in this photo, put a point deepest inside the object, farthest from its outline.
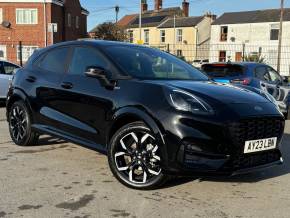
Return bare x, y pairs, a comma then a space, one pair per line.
109, 31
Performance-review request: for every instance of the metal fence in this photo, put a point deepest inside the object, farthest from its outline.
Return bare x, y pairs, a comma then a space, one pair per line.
19, 52
231, 52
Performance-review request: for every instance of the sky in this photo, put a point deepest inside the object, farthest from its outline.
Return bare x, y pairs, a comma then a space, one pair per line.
102, 10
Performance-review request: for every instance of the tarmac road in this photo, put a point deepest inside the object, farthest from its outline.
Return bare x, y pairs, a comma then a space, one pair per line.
60, 179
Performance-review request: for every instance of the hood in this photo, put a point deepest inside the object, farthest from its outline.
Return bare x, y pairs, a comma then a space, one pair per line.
224, 93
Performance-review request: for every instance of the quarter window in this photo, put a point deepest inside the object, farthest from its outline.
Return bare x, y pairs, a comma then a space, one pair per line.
84, 58
25, 52
54, 60
262, 73
26, 16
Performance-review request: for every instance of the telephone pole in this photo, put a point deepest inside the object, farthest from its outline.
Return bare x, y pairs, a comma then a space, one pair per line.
280, 37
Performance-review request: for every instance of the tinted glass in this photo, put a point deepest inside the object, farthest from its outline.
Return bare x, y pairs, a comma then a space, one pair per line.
262, 73
86, 57
8, 68
54, 60
274, 76
147, 63
223, 70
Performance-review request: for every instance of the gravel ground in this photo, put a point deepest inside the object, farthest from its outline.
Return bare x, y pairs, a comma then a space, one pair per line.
60, 179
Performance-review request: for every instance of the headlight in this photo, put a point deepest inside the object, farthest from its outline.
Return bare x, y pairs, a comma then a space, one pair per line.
185, 101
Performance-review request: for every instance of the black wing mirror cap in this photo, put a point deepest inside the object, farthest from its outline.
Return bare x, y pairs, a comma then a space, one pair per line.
102, 75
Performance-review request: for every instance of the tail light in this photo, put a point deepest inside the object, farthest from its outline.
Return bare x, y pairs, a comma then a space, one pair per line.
245, 81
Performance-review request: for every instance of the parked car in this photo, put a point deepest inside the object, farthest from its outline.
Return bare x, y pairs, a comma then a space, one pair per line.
199, 63
151, 120
6, 74
255, 75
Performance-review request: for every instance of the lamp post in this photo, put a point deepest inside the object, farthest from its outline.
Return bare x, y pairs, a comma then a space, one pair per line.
140, 22
280, 37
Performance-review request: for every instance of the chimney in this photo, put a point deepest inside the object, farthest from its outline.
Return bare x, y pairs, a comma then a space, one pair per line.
185, 8
144, 6
158, 5
211, 16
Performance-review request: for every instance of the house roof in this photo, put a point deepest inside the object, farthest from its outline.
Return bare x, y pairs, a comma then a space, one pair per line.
181, 22
258, 16
154, 18
127, 19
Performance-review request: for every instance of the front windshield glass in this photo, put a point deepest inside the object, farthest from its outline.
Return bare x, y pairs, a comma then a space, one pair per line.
147, 63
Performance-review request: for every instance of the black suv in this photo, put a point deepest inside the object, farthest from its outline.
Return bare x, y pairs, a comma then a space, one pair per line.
153, 114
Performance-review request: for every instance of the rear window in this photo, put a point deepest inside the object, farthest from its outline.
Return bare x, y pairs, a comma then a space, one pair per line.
223, 70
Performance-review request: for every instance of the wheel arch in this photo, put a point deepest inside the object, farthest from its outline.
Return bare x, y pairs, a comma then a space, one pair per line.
131, 114
17, 95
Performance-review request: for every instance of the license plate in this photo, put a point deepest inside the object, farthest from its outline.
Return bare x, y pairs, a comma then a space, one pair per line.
260, 145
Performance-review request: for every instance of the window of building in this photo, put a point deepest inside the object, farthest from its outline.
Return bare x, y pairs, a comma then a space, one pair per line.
69, 20
179, 35
224, 33
1, 15
2, 52
84, 58
131, 36
146, 37
222, 56
25, 52
51, 61
162, 36
274, 32
26, 16
77, 22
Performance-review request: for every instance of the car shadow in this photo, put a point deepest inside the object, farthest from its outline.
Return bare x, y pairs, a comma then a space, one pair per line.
49, 140
252, 177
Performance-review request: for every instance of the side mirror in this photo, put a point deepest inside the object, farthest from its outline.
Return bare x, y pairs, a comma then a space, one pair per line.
102, 75
285, 79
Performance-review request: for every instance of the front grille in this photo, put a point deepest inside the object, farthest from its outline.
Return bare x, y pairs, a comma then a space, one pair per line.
253, 160
253, 129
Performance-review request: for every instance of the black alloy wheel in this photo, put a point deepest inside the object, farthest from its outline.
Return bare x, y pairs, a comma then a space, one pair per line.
135, 157
20, 125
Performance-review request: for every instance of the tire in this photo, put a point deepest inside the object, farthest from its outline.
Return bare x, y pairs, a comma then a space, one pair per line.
134, 157
19, 120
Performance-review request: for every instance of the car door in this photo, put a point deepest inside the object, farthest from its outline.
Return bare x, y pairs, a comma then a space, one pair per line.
85, 102
43, 80
6, 74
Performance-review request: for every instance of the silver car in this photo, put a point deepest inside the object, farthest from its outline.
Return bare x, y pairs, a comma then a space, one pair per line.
6, 74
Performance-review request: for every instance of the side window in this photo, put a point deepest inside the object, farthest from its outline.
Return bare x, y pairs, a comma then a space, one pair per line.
54, 60
8, 68
274, 76
86, 57
262, 73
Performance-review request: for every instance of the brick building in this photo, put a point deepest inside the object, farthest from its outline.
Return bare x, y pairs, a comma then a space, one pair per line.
29, 22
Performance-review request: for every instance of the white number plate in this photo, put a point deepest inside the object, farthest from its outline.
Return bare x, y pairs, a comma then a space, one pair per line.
260, 145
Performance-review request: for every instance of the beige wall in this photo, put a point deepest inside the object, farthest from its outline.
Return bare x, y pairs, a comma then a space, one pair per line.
187, 45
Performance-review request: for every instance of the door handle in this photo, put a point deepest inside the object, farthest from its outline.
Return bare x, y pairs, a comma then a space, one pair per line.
31, 79
67, 85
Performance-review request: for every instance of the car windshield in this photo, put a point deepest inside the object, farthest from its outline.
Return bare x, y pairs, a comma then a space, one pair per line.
223, 70
147, 63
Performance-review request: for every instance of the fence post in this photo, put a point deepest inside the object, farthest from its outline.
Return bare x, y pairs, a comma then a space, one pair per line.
20, 53
244, 48
168, 50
